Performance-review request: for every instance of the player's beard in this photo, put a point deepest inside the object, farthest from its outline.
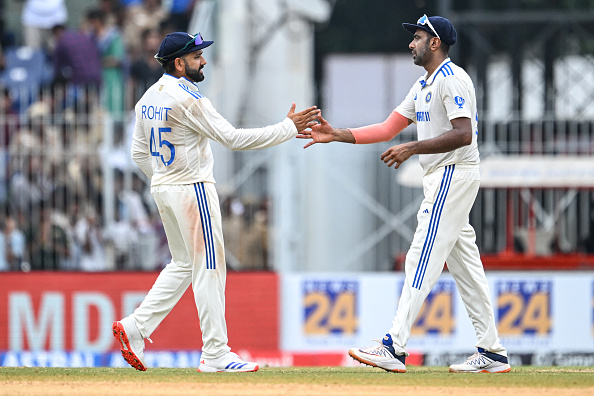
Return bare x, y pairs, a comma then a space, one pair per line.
421, 54
193, 74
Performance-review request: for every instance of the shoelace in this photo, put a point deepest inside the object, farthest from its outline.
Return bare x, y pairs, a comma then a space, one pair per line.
477, 358
473, 356
376, 348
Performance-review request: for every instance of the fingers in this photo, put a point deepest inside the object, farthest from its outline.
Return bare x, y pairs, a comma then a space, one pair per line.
391, 160
292, 109
314, 116
310, 109
309, 144
305, 134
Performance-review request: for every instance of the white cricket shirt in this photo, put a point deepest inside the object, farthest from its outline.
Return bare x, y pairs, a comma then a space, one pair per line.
435, 100
174, 123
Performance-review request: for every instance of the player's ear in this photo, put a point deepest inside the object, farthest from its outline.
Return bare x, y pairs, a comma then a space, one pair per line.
179, 64
435, 43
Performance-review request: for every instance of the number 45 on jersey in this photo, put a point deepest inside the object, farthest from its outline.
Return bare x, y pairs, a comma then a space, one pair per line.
156, 151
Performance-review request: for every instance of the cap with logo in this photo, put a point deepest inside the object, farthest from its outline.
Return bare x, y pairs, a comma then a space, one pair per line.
178, 44
435, 25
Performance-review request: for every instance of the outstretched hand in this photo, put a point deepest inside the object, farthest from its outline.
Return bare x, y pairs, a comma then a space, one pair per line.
396, 155
319, 133
304, 119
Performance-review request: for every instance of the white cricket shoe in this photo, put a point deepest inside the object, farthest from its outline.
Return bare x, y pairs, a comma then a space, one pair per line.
228, 363
382, 356
128, 335
483, 362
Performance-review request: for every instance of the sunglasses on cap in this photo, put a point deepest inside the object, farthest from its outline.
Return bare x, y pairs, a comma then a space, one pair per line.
424, 21
196, 40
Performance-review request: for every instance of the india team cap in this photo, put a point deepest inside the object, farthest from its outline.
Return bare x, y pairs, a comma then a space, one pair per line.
436, 26
177, 44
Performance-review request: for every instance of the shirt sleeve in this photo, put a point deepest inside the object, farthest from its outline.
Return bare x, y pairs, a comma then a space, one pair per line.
407, 107
456, 98
141, 153
203, 118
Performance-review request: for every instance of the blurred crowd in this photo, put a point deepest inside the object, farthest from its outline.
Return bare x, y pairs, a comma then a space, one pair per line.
66, 101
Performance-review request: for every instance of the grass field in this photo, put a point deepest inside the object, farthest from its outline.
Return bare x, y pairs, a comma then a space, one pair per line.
300, 381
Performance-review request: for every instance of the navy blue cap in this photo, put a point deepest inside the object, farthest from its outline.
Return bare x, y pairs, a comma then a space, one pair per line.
442, 28
178, 44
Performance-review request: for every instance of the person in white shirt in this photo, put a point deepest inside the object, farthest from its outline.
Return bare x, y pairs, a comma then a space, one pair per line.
38, 18
442, 104
174, 124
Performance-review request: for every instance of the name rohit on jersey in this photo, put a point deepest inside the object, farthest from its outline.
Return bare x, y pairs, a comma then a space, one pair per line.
154, 112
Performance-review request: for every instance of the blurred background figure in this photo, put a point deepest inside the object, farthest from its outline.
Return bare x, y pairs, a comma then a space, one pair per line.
146, 14
76, 59
180, 12
145, 70
113, 60
89, 236
38, 18
12, 242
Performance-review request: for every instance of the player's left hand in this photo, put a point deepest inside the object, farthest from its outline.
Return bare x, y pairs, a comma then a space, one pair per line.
396, 155
319, 133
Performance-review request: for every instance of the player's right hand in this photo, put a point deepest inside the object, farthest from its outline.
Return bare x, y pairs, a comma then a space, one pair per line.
304, 119
320, 133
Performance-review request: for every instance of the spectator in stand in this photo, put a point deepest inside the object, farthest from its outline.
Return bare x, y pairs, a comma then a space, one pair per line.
115, 13
113, 59
48, 241
2, 59
180, 12
89, 237
12, 243
147, 14
120, 237
38, 18
167, 26
145, 70
39, 136
76, 59
76, 62
63, 201
29, 184
9, 126
133, 210
255, 237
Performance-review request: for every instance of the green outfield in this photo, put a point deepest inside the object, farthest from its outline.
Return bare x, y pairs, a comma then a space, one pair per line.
294, 381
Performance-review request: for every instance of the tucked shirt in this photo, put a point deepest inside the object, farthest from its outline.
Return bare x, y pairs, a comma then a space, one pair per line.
174, 123
433, 102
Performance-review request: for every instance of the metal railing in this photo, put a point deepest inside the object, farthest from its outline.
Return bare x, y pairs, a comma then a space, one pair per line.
71, 199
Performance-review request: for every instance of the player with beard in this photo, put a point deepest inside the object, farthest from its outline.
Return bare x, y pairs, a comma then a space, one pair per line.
174, 123
442, 104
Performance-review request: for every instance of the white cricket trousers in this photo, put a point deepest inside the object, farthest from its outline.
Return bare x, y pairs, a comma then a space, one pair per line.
444, 234
191, 217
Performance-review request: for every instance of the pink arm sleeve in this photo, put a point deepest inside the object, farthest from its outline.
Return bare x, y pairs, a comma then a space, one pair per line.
383, 132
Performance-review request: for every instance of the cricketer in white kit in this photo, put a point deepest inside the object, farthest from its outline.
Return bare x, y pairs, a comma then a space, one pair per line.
442, 104
174, 123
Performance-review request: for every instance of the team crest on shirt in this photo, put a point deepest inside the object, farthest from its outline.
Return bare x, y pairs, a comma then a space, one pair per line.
459, 101
428, 97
